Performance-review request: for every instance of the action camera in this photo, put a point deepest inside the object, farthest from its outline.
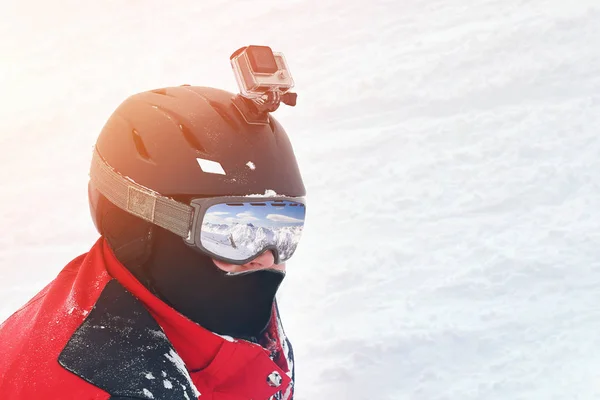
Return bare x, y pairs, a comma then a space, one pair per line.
258, 71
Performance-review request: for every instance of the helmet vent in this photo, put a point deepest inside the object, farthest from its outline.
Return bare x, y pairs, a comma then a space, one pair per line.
139, 145
162, 91
188, 135
219, 109
223, 113
272, 125
191, 139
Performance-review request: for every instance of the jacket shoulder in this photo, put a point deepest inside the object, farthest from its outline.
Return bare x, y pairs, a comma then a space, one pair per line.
33, 337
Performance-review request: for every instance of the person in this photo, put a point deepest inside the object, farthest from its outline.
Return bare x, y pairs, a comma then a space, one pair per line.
198, 210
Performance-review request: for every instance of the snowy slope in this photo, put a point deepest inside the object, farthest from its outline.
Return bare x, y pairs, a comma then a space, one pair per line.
451, 154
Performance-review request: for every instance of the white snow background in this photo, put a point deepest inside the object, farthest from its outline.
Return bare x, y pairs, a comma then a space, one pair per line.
450, 150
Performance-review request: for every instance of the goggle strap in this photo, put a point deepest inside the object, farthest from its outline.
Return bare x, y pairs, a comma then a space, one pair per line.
139, 200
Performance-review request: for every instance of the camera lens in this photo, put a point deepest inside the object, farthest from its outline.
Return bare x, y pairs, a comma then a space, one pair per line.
262, 60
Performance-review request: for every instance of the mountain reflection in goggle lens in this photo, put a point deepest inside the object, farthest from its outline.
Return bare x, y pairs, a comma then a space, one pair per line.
239, 231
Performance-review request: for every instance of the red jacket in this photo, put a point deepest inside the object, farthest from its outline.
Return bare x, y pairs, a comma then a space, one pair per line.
95, 332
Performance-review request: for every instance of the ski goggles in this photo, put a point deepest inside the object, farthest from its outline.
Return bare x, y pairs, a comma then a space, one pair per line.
236, 229
233, 229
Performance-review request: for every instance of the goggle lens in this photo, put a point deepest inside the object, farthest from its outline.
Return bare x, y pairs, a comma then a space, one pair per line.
241, 231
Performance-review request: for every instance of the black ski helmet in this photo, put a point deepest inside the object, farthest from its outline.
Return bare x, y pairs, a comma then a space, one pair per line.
160, 138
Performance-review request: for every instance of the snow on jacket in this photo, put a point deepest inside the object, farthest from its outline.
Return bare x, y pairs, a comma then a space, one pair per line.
97, 333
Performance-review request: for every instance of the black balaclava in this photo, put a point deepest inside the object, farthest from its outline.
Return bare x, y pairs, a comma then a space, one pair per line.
237, 305
187, 280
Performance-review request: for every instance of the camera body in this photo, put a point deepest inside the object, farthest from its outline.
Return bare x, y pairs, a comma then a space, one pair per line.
259, 71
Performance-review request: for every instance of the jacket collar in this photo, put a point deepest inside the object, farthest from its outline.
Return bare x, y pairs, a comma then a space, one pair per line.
121, 347
117, 348
196, 346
